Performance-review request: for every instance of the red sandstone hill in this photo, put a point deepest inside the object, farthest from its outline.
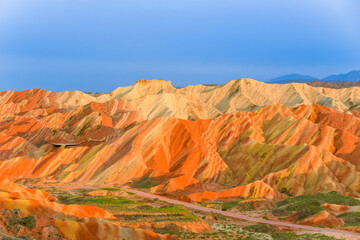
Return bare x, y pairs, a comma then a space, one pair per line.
43, 218
112, 139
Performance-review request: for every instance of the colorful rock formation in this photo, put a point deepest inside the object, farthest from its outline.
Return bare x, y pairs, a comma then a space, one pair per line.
35, 212
141, 135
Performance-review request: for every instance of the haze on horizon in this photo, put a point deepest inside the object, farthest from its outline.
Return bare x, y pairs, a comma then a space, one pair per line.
96, 46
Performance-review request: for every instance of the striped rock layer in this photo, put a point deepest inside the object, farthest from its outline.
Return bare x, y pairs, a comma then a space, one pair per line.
67, 221
287, 144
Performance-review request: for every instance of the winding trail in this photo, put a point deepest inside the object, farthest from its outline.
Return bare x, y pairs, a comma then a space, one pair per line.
227, 214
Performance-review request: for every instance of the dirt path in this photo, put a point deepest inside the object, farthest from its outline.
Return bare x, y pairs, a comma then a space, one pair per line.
228, 214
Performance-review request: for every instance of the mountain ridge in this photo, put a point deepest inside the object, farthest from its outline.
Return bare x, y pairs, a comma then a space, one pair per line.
352, 76
158, 98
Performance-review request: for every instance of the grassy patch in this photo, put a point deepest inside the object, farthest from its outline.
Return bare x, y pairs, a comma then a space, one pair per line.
263, 228
141, 210
240, 205
245, 235
171, 217
309, 205
102, 200
144, 182
293, 236
130, 193
351, 219
28, 222
220, 216
228, 205
110, 189
172, 208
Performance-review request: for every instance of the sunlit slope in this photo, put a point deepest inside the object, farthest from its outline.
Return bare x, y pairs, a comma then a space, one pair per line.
158, 98
37, 213
273, 151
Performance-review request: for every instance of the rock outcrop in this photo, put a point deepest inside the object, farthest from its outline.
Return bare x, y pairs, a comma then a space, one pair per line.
34, 212
139, 135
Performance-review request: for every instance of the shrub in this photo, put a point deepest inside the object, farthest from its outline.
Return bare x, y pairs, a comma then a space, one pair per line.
351, 218
263, 228
308, 205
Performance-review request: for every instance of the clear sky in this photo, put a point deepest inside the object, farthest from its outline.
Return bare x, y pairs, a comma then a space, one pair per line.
100, 45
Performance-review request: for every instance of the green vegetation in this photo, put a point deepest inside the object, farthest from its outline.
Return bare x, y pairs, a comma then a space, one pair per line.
228, 205
144, 182
309, 205
235, 232
42, 142
351, 219
130, 193
172, 208
287, 192
102, 201
84, 129
28, 181
241, 205
307, 236
28, 222
111, 189
220, 216
171, 217
263, 228
69, 119
140, 210
54, 131
10, 119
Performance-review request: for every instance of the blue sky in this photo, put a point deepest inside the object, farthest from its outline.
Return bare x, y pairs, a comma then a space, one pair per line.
100, 45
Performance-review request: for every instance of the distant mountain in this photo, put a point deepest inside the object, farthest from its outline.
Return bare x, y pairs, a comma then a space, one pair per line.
298, 78
353, 76
336, 85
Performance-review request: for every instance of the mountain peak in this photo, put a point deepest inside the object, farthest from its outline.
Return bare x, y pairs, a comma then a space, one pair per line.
294, 77
153, 82
352, 76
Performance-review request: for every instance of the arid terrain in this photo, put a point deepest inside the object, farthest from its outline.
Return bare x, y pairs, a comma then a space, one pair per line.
336, 85
279, 152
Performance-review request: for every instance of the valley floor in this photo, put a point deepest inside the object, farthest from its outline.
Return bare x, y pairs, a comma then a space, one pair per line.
134, 208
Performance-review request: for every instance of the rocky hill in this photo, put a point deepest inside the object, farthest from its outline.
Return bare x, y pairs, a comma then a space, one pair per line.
246, 138
158, 98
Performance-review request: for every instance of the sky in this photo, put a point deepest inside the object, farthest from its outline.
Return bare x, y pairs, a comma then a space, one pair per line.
96, 46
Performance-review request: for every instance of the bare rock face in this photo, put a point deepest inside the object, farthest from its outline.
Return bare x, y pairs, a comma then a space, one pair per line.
335, 208
250, 139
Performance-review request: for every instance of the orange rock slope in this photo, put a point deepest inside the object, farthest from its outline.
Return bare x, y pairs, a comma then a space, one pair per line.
47, 219
72, 137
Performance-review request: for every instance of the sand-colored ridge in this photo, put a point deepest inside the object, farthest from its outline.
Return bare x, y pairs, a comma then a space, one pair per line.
141, 135
158, 98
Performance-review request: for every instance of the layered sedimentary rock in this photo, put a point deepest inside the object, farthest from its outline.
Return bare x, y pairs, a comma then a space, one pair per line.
35, 212
158, 98
140, 135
